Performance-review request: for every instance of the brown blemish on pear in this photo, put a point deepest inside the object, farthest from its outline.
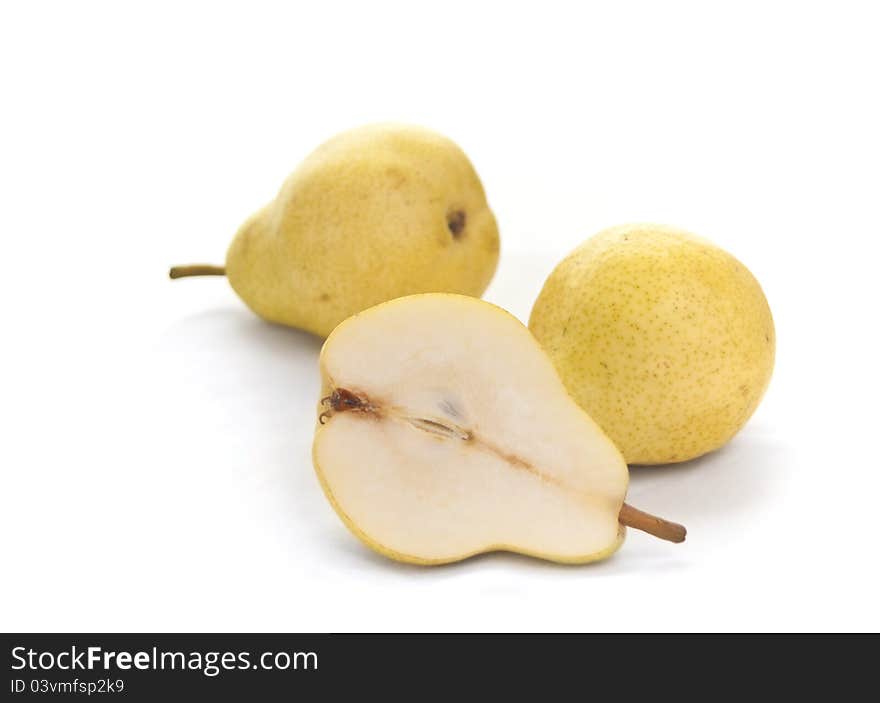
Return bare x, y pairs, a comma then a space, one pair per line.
456, 221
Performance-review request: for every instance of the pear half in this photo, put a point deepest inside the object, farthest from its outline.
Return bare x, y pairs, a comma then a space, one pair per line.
444, 432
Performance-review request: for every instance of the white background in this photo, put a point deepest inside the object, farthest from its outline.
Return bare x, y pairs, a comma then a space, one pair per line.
155, 447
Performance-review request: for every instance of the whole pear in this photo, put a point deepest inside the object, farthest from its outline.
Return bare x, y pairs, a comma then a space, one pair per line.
666, 340
375, 213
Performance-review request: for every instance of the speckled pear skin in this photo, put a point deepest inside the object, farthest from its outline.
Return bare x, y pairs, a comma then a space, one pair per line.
375, 213
666, 340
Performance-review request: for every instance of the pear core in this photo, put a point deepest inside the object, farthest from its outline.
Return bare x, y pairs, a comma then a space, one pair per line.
444, 431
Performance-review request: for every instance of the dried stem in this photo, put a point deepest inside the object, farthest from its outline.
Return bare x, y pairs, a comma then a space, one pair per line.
196, 270
653, 525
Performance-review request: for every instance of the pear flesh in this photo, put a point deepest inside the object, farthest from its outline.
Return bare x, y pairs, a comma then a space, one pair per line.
445, 432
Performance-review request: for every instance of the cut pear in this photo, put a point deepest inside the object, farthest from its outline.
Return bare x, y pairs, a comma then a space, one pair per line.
445, 432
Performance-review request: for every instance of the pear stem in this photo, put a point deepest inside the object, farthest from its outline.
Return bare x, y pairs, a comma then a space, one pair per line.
653, 525
196, 270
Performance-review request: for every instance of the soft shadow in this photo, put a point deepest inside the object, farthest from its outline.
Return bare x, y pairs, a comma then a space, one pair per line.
622, 562
259, 384
727, 484
268, 373
237, 326
366, 557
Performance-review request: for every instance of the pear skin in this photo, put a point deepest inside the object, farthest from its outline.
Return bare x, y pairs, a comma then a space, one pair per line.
375, 213
665, 339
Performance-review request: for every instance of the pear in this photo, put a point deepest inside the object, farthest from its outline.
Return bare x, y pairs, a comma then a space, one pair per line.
666, 340
444, 432
373, 214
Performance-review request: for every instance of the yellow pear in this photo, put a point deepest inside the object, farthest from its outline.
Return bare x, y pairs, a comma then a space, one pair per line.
373, 214
444, 432
666, 340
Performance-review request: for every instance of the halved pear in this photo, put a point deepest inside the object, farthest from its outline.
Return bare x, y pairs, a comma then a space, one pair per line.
444, 432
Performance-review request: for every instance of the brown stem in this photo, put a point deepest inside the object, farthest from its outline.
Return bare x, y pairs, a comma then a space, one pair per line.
653, 525
196, 270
